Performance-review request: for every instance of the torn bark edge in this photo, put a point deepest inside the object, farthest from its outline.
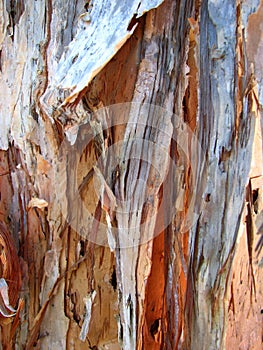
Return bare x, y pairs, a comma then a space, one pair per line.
89, 300
75, 91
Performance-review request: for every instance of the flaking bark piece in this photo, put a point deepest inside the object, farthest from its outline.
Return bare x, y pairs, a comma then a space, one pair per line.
101, 34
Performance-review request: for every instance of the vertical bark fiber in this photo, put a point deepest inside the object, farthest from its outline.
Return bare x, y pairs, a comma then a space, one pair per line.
131, 174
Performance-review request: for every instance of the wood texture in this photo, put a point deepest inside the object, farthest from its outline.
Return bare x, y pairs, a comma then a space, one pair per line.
131, 174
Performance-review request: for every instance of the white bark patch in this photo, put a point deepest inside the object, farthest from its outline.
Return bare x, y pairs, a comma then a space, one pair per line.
102, 32
6, 310
88, 305
111, 239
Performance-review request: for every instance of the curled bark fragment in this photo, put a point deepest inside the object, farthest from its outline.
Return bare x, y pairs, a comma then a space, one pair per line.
6, 310
10, 283
95, 44
9, 264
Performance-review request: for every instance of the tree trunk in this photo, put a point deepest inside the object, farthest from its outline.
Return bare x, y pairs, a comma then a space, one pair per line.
131, 174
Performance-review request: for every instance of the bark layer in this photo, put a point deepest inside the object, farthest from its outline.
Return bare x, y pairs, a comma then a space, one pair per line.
134, 224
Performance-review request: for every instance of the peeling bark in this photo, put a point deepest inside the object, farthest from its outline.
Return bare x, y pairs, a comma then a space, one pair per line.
131, 174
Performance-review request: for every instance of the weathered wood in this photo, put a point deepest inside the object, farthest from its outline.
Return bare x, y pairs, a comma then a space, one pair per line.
130, 131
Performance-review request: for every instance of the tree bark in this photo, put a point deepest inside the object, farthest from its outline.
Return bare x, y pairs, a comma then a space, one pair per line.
131, 174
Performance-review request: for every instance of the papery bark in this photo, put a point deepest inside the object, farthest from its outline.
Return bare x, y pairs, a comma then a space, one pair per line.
131, 173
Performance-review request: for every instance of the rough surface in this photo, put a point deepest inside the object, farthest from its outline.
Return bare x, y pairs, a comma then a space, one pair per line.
102, 31
165, 258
